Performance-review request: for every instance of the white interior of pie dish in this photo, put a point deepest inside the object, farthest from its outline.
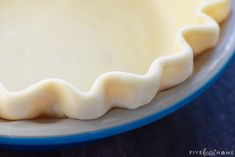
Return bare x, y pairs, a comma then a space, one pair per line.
207, 66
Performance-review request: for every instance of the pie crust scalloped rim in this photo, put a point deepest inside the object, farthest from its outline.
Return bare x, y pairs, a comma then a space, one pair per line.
55, 97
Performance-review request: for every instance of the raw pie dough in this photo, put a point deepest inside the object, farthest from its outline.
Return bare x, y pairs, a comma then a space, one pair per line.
112, 52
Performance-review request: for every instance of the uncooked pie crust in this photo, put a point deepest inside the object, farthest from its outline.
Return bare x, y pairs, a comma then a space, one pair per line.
130, 89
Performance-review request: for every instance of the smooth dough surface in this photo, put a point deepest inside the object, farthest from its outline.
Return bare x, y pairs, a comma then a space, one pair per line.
78, 40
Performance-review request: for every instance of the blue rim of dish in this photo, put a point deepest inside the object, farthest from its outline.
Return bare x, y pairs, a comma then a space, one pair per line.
107, 132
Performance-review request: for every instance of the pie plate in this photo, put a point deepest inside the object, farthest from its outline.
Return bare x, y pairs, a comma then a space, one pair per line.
56, 132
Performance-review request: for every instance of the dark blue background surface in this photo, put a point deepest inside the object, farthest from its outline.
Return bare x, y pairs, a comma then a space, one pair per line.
208, 122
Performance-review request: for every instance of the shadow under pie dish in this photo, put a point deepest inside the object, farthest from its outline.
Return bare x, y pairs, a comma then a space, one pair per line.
79, 59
